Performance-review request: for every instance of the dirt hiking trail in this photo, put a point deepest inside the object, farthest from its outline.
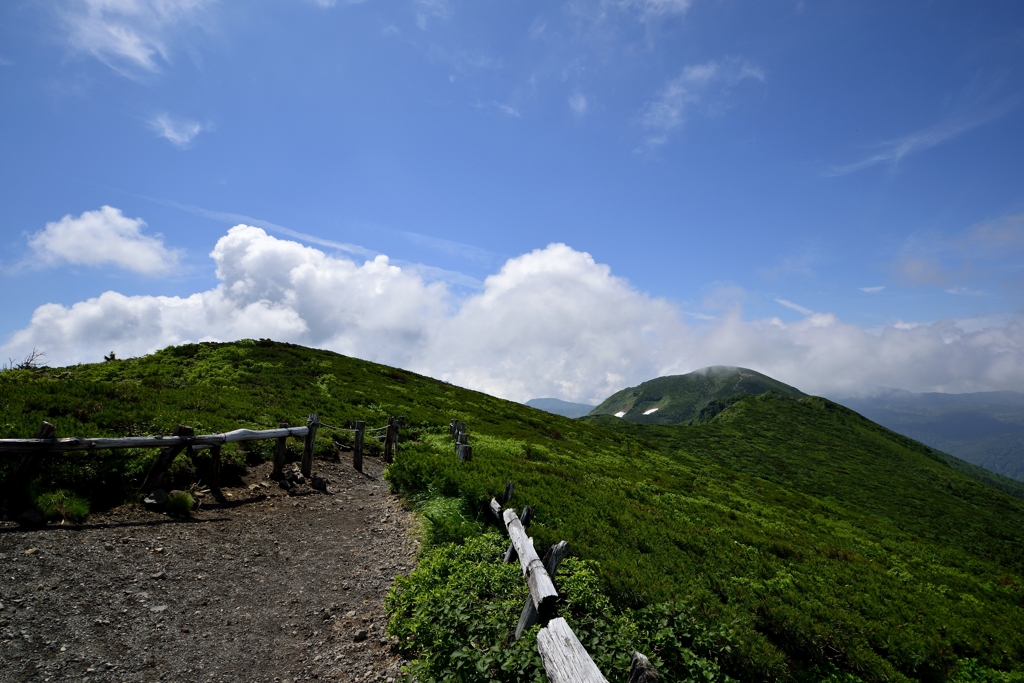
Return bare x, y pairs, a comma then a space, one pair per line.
261, 585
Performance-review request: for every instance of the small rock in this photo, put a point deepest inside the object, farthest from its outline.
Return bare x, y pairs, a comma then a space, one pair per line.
158, 550
156, 498
350, 614
265, 484
319, 483
159, 575
301, 478
32, 551
158, 608
360, 635
285, 484
108, 546
383, 642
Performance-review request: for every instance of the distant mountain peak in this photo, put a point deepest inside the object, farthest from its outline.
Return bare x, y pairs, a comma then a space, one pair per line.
677, 398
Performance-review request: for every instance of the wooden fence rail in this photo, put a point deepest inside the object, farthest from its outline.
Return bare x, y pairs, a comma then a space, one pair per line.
564, 657
184, 439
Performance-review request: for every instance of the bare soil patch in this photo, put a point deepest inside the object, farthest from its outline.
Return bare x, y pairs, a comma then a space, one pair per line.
259, 585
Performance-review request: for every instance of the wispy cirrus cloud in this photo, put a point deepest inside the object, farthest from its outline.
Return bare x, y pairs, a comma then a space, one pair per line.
578, 103
130, 36
178, 131
427, 10
658, 9
872, 290
506, 109
796, 307
700, 87
891, 152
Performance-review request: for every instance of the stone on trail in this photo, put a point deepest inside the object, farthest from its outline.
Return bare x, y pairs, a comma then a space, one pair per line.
156, 498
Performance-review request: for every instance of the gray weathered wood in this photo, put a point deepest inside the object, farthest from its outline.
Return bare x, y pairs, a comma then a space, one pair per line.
542, 590
357, 450
552, 558
641, 670
280, 453
565, 659
307, 448
496, 508
525, 520
17, 496
215, 467
166, 457
389, 441
507, 496
79, 443
465, 452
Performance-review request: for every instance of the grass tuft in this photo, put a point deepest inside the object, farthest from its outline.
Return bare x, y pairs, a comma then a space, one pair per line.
179, 503
63, 505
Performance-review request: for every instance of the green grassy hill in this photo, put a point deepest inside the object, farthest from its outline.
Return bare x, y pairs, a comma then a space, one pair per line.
681, 398
783, 539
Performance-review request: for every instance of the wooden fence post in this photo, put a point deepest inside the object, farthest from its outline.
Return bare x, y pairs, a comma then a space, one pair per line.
215, 466
307, 450
280, 452
641, 670
389, 435
552, 559
565, 659
357, 450
17, 489
165, 458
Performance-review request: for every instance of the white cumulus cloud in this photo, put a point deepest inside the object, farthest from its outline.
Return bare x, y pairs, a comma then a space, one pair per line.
552, 322
102, 237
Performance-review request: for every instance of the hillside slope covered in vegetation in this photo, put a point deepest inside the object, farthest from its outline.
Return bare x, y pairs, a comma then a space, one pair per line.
786, 539
985, 428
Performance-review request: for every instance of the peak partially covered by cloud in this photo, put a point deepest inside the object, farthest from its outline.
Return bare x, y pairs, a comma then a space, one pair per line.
552, 322
102, 237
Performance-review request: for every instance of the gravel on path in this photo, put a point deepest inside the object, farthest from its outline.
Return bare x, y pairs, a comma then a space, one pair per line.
259, 585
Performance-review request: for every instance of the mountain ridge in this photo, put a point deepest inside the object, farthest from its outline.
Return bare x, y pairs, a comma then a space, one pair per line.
675, 399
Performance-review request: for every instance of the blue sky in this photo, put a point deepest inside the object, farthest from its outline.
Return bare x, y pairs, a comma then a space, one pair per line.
727, 168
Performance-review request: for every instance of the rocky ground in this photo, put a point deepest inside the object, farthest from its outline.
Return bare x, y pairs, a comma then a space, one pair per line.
259, 585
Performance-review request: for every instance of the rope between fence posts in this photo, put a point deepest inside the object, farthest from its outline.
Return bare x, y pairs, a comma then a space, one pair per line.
340, 429
345, 429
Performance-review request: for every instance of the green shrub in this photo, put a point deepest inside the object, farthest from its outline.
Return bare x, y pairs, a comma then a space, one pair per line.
179, 503
446, 521
63, 505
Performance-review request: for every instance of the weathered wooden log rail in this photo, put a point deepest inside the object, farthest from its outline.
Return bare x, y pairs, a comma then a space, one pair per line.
78, 443
564, 657
184, 439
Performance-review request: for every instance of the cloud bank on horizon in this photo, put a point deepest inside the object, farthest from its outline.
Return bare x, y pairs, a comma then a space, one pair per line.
551, 322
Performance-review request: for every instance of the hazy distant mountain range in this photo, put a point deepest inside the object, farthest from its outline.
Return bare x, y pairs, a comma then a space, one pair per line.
560, 407
985, 428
